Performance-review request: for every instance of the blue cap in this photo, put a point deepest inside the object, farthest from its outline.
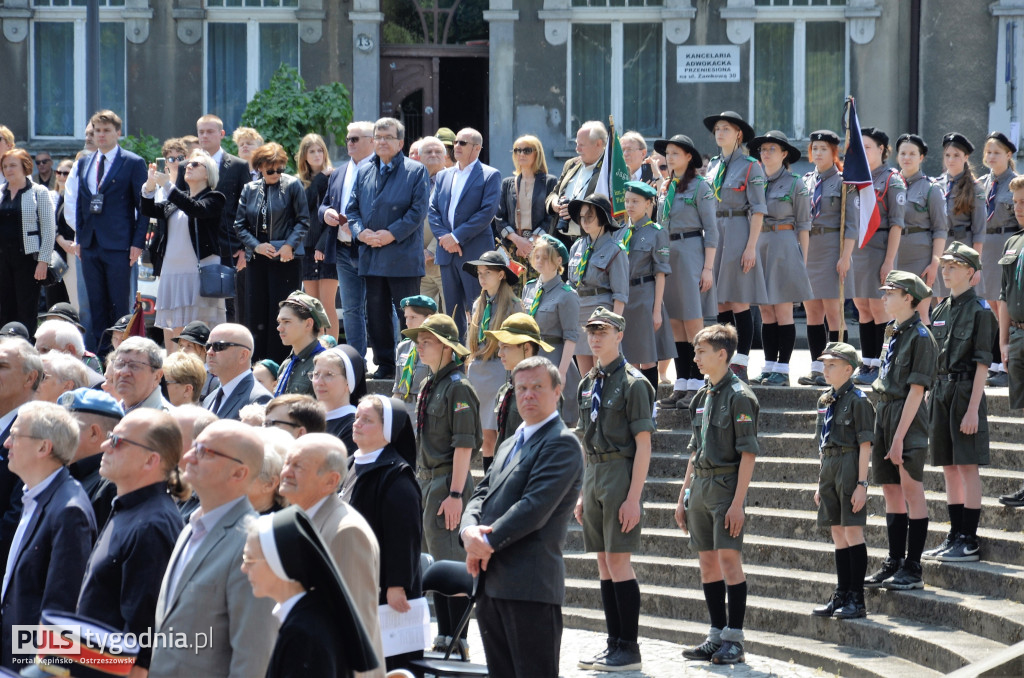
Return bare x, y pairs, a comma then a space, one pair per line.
91, 401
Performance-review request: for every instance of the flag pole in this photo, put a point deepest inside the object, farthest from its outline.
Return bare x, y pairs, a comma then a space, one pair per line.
842, 227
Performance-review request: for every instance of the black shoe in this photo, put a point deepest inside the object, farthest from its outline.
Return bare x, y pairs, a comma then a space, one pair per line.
670, 402
890, 567
731, 652
613, 644
998, 380
382, 374
814, 378
932, 554
853, 607
1015, 500
703, 652
866, 376
625, 657
964, 549
834, 603
909, 577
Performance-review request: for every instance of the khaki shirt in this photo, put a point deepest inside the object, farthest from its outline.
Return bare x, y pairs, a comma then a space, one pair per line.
732, 429
964, 328
453, 418
1012, 288
627, 406
853, 417
299, 380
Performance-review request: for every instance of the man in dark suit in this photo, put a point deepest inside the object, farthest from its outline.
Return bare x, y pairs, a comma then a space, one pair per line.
462, 207
54, 537
514, 527
110, 228
578, 180
228, 357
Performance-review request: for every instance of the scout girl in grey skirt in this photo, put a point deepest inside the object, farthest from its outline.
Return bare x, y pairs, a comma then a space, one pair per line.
924, 218
995, 186
649, 336
599, 274
783, 249
687, 212
556, 308
738, 183
496, 302
965, 204
826, 265
878, 256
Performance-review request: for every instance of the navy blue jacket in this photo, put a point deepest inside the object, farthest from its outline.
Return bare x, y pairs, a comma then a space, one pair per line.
477, 206
122, 224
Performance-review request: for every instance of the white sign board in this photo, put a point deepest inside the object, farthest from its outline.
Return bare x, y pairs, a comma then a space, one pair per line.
708, 63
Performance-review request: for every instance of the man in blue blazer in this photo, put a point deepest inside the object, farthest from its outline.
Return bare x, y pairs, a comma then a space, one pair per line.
228, 357
462, 207
110, 228
515, 524
51, 547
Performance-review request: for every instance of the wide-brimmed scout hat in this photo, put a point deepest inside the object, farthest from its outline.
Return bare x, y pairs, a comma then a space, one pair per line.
442, 327
775, 137
684, 142
734, 118
599, 202
492, 259
519, 328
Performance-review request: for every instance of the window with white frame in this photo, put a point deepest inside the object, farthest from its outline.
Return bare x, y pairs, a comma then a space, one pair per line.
243, 51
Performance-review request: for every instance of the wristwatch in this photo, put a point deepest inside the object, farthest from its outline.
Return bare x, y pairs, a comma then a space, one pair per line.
455, 495
863, 483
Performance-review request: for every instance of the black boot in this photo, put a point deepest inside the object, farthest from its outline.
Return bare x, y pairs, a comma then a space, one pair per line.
837, 600
853, 607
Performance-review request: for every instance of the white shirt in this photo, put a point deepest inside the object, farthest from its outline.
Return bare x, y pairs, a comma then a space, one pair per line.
346, 190
27, 511
93, 167
282, 610
71, 196
315, 508
528, 431
199, 525
458, 183
367, 458
218, 156
639, 171
230, 387
580, 181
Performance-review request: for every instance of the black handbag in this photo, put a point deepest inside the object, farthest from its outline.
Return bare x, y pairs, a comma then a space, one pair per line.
216, 281
55, 270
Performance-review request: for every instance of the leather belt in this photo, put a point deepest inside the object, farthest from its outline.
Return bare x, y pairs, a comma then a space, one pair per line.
552, 339
819, 230
640, 281
911, 230
1004, 229
886, 398
608, 456
431, 473
956, 376
685, 234
958, 232
593, 292
777, 227
731, 213
717, 471
837, 450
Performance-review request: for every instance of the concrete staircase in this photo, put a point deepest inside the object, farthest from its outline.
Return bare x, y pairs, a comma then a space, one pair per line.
966, 613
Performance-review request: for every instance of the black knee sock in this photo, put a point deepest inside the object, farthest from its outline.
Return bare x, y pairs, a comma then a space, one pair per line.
787, 342
627, 595
745, 330
684, 359
971, 519
714, 596
917, 536
770, 341
833, 336
997, 356
956, 518
737, 605
843, 569
456, 608
726, 318
611, 608
896, 525
858, 556
879, 338
867, 341
651, 373
445, 627
816, 340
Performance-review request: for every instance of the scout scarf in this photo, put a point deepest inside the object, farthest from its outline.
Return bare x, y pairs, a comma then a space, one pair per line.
581, 267
719, 179
485, 322
282, 383
629, 234
535, 304
826, 428
405, 381
670, 197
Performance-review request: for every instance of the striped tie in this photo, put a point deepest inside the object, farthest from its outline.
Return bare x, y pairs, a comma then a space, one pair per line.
990, 201
816, 200
826, 429
889, 350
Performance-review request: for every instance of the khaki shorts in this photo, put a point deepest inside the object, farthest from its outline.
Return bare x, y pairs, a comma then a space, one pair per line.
605, 487
710, 499
883, 471
438, 541
836, 483
949, 402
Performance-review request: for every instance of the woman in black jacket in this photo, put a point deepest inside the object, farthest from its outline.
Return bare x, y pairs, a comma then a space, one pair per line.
271, 222
521, 214
193, 222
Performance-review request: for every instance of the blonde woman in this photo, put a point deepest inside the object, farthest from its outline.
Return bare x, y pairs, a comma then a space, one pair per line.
319, 273
247, 140
521, 214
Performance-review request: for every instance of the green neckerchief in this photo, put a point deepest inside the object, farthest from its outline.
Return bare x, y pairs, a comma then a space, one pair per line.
405, 382
581, 268
485, 323
629, 234
670, 197
719, 179
535, 304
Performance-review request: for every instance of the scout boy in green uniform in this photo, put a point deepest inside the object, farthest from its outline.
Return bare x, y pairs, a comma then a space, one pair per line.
416, 309
616, 420
846, 427
907, 370
723, 448
965, 329
1011, 315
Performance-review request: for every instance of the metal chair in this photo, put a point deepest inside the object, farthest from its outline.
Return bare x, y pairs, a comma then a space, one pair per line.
449, 578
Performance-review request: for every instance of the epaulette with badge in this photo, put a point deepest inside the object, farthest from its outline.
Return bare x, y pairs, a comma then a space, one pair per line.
633, 371
655, 225
984, 304
621, 245
567, 287
922, 330
455, 376
751, 158
860, 393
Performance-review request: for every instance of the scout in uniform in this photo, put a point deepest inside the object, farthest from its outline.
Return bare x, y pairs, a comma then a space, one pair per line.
965, 205
617, 403
1011, 320
1001, 221
412, 373
738, 184
448, 434
907, 370
924, 216
688, 213
518, 339
555, 306
828, 259
783, 243
846, 428
299, 321
723, 449
646, 243
878, 256
964, 329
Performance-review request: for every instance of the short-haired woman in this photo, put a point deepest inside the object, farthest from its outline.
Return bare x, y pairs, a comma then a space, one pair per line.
319, 273
184, 375
521, 213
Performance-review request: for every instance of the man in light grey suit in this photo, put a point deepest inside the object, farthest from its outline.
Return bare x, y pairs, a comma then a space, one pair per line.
204, 590
514, 527
228, 356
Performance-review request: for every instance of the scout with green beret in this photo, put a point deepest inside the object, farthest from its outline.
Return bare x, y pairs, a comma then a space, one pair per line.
845, 430
965, 329
906, 370
412, 371
518, 339
448, 434
1011, 317
723, 448
647, 244
300, 318
616, 423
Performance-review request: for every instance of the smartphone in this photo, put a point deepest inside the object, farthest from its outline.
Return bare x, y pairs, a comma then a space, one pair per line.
161, 165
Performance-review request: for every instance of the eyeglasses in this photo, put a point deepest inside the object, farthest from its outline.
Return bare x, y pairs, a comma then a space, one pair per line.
172, 158
279, 422
523, 151
221, 346
193, 164
463, 142
246, 560
117, 441
387, 138
355, 139
315, 374
62, 173
202, 452
14, 436
130, 365
44, 161
271, 172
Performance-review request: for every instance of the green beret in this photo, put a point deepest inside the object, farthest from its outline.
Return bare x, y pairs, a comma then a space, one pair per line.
642, 189
420, 301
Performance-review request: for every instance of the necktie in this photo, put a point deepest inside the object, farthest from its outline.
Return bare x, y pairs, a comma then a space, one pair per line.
816, 200
535, 304
514, 451
719, 180
385, 170
421, 405
990, 201
826, 428
705, 419
889, 351
100, 170
670, 197
503, 410
581, 267
217, 400
595, 400
405, 381
485, 322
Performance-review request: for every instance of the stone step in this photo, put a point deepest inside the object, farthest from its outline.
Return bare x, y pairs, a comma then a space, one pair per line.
831, 658
941, 648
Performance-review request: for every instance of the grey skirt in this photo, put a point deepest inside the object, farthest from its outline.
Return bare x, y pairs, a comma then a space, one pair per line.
785, 277
915, 254
867, 263
487, 376
822, 257
683, 298
991, 271
733, 285
640, 341
570, 409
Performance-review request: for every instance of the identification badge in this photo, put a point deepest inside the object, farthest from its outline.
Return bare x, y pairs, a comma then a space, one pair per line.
96, 204
939, 323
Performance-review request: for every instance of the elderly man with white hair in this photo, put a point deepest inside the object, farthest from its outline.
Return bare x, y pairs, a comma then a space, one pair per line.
137, 368
61, 373
64, 336
578, 179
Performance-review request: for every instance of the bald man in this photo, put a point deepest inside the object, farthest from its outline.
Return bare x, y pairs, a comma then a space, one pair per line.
204, 590
312, 473
229, 358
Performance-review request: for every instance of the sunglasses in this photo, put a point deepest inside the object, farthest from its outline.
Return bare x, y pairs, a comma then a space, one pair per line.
354, 140
463, 142
193, 164
271, 172
116, 442
172, 158
523, 151
44, 161
220, 346
63, 173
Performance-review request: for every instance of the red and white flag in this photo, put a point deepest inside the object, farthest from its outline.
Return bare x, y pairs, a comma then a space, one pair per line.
857, 172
